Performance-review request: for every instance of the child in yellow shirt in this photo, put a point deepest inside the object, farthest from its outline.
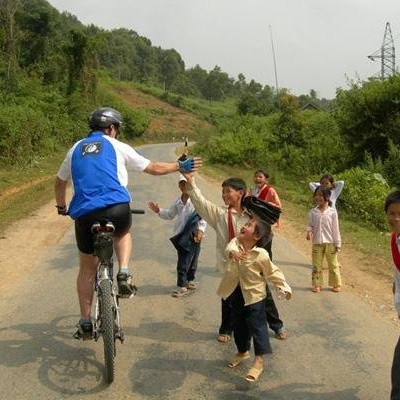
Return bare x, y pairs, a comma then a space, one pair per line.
244, 281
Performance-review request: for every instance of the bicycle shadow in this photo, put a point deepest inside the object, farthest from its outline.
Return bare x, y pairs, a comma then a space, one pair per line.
67, 368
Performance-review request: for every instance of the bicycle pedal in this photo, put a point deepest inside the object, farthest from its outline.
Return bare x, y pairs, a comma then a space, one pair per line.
120, 337
79, 336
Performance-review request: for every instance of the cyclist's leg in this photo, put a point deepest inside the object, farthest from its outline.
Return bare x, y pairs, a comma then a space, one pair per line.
123, 249
85, 283
86, 276
120, 215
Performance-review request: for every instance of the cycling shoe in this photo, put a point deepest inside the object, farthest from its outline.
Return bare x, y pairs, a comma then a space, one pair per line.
126, 288
85, 330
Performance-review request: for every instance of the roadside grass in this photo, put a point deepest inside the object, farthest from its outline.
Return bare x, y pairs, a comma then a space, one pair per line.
25, 189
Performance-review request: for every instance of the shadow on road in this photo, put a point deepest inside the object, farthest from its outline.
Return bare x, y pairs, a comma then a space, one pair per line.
63, 368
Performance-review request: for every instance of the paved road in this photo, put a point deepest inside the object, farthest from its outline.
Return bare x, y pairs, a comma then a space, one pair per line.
339, 347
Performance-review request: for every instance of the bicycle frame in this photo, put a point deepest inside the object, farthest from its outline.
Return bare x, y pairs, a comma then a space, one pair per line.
107, 321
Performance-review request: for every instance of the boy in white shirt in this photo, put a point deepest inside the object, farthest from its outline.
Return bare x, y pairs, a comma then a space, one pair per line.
188, 233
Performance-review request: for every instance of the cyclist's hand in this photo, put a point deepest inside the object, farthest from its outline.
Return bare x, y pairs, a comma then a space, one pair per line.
62, 210
189, 164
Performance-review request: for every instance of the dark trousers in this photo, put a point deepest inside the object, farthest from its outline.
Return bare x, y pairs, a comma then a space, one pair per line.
395, 393
249, 323
272, 313
226, 326
186, 266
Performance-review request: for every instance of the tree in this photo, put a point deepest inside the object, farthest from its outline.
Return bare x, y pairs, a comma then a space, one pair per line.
218, 84
8, 10
368, 116
171, 66
289, 125
198, 76
261, 103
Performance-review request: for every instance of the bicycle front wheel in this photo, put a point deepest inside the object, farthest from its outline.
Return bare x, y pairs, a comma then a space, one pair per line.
107, 328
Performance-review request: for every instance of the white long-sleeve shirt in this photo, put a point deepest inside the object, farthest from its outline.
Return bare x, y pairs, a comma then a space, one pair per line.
217, 218
335, 191
183, 211
324, 226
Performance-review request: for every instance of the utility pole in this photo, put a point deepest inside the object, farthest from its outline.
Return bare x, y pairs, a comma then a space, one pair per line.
276, 74
386, 54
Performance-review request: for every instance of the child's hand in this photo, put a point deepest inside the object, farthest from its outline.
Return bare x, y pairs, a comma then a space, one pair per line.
154, 206
309, 235
282, 294
189, 177
237, 256
198, 236
337, 249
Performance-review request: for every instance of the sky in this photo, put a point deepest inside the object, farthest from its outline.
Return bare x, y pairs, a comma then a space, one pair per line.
318, 44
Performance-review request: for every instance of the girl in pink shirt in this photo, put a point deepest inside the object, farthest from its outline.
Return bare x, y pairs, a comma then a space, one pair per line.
323, 230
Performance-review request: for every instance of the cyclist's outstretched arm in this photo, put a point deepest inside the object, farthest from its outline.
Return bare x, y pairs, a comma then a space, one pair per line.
163, 168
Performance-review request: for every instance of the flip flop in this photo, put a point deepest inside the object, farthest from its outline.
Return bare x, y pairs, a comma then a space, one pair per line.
253, 374
237, 359
223, 338
281, 335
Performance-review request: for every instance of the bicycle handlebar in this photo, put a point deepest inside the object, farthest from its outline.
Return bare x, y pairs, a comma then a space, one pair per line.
137, 211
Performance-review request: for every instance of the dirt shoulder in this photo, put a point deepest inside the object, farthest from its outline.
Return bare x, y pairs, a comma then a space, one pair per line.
23, 241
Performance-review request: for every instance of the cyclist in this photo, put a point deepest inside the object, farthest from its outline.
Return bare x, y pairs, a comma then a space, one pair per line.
98, 168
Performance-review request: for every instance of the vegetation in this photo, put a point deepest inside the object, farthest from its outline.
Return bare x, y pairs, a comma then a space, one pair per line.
54, 70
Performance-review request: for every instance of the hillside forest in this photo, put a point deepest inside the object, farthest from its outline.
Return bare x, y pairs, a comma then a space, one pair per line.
54, 70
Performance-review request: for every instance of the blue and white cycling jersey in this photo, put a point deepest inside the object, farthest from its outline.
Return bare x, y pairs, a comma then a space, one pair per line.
98, 167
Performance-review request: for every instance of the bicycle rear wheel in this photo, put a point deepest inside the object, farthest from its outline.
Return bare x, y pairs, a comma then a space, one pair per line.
107, 328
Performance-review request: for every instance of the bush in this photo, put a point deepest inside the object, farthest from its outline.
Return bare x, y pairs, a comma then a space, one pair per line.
23, 132
391, 166
136, 122
363, 196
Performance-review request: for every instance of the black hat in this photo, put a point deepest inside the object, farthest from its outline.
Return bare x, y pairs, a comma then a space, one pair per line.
261, 209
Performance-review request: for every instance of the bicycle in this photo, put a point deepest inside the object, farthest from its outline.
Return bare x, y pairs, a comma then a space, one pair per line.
107, 319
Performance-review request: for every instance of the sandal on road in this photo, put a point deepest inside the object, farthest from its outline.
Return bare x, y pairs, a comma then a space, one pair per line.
238, 358
282, 335
253, 374
223, 338
179, 292
192, 285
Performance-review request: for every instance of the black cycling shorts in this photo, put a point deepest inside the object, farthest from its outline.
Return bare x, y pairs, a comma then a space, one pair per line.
119, 214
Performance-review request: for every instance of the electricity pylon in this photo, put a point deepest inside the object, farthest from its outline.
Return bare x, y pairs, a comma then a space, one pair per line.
386, 53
